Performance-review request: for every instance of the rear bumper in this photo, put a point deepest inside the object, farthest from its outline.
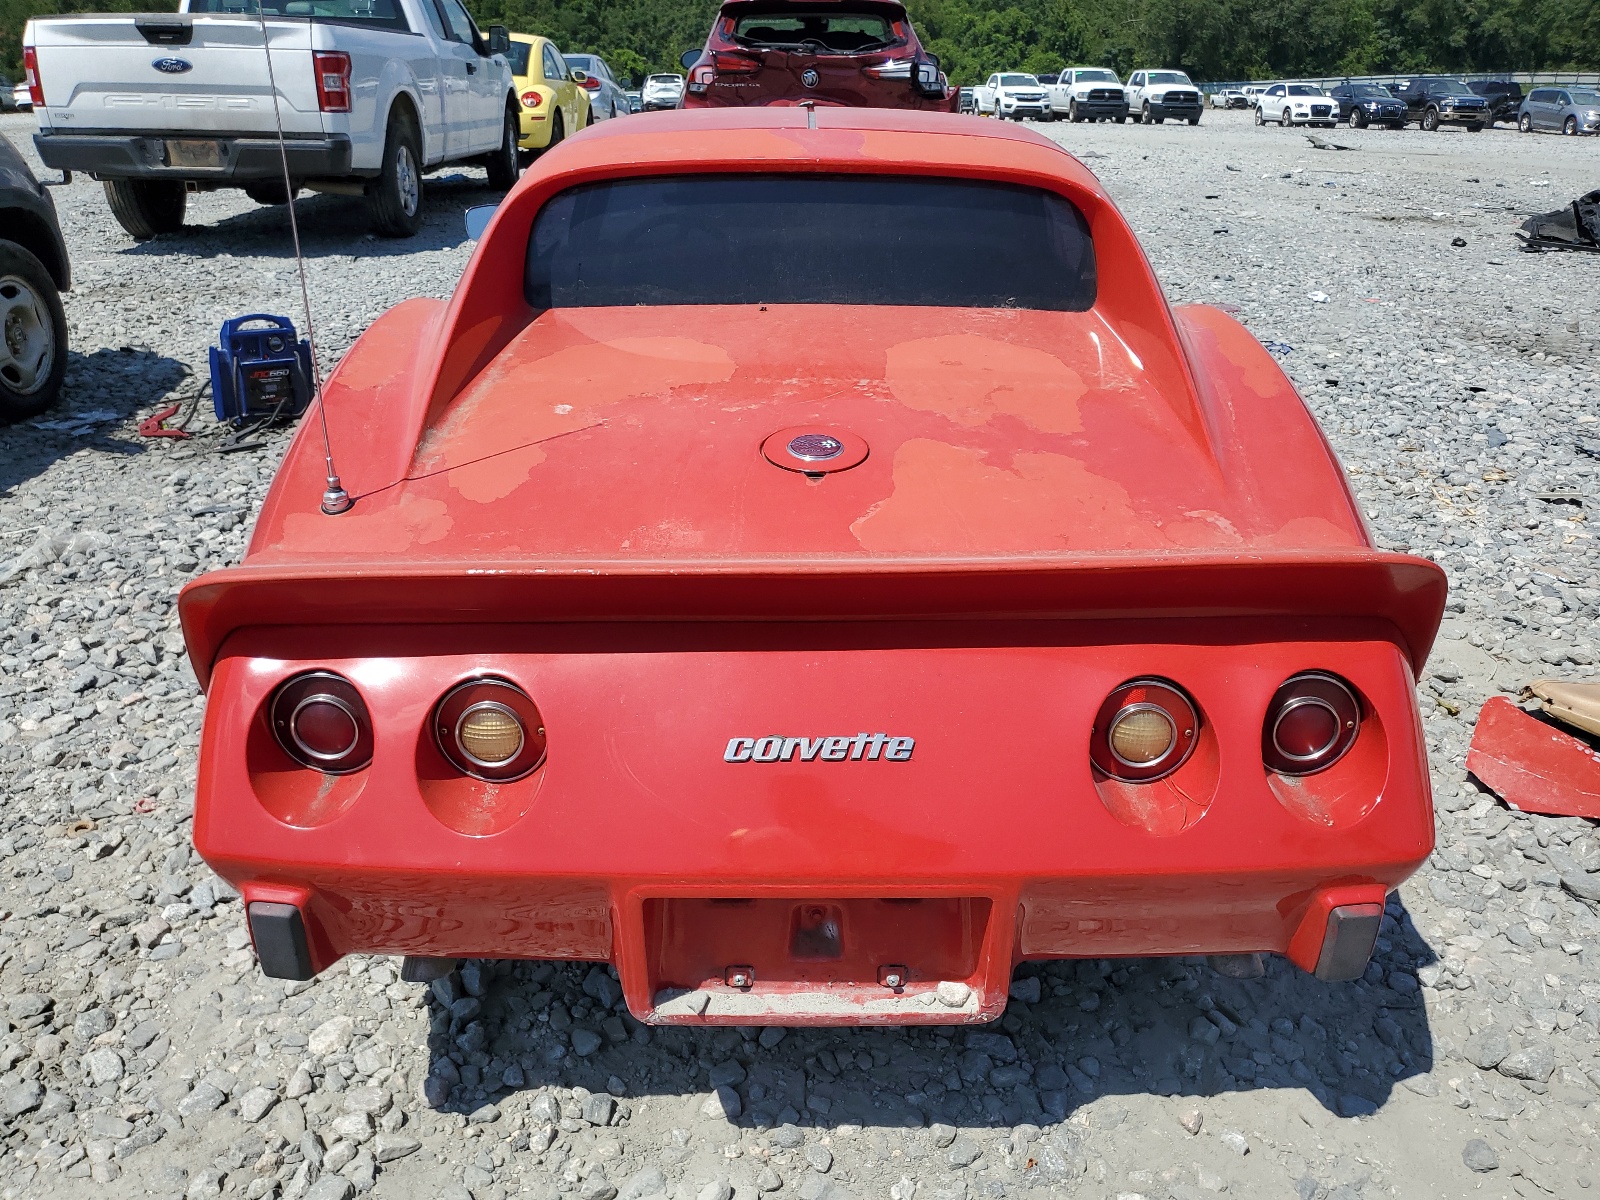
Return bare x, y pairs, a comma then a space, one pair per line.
127, 156
638, 843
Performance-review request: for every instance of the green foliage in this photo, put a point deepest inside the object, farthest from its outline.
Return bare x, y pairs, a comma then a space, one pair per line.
1212, 39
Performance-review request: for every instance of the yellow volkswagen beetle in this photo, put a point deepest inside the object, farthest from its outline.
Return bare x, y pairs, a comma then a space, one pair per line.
554, 103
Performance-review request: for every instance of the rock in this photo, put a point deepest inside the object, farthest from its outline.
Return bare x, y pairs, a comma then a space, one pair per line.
599, 1109
1351, 1105
942, 1135
374, 1101
1235, 1141
1026, 990
486, 1114
1191, 1120
105, 1066
963, 1152
818, 1158
952, 994
1537, 1063
584, 1041
727, 1074
722, 1104
387, 1147
768, 1180
204, 1098
717, 1189
256, 1103
357, 1127
331, 1037
21, 1098
647, 1181
331, 1187
1479, 1156
1484, 1050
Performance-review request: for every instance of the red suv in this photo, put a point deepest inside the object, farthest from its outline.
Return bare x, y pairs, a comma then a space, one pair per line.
861, 53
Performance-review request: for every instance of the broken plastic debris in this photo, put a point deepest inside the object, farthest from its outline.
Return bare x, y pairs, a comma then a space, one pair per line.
78, 422
1317, 297
1574, 704
1532, 765
50, 547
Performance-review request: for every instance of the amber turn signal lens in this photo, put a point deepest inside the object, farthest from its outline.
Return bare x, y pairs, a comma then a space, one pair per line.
490, 733
1311, 724
1145, 730
489, 729
1141, 736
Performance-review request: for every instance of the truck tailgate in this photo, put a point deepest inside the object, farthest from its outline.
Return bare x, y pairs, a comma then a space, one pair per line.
100, 73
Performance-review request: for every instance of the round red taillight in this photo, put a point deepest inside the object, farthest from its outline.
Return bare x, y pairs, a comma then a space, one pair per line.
490, 729
1312, 721
321, 722
1144, 731
531, 99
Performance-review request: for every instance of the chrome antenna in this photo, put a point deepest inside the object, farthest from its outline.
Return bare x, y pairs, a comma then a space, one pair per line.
335, 499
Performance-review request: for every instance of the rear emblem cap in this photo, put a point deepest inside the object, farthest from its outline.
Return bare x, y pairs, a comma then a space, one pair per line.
815, 451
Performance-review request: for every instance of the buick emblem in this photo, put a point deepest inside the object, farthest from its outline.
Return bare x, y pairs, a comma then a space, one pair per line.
815, 447
172, 66
809, 77
873, 747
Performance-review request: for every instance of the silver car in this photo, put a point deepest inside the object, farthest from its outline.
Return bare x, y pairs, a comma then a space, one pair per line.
607, 98
1572, 110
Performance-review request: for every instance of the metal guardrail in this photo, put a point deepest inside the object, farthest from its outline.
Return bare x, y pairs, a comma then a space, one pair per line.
1526, 78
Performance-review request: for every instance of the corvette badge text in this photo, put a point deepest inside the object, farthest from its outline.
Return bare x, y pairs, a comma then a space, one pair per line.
871, 746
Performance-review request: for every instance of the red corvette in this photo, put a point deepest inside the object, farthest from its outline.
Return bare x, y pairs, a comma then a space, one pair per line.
826, 52
808, 565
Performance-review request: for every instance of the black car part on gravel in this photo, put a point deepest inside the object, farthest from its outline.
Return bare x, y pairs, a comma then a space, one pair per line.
1575, 227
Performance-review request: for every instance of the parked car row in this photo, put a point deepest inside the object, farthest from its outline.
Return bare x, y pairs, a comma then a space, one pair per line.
1088, 94
1431, 101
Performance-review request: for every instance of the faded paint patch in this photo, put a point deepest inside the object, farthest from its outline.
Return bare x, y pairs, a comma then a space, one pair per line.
1257, 369
947, 499
1310, 533
495, 478
525, 398
972, 379
389, 530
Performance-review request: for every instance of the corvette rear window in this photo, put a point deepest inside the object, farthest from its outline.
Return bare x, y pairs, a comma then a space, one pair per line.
810, 239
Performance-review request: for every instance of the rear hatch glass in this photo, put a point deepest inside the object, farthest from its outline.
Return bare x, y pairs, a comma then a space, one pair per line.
788, 239
816, 32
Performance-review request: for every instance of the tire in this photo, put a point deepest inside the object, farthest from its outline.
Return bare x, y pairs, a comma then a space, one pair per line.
1525, 123
1123, 119
33, 336
394, 199
1474, 128
1194, 120
1570, 127
1260, 120
1073, 114
270, 191
1358, 119
1397, 126
146, 207
1144, 113
1284, 119
502, 163
1430, 121
613, 110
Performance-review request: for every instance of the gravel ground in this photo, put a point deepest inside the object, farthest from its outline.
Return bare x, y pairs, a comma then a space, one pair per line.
143, 1054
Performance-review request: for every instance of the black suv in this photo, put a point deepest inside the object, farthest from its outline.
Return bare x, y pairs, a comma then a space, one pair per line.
1436, 100
33, 273
1364, 104
1504, 97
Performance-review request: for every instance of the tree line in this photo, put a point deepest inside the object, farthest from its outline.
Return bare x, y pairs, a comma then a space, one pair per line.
1211, 39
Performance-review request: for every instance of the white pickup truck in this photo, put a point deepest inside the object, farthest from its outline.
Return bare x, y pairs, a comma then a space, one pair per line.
1010, 97
1088, 94
370, 93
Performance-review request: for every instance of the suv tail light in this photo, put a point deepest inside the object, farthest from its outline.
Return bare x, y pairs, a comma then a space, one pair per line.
30, 72
1312, 721
531, 99
321, 722
895, 68
333, 80
490, 729
1144, 731
726, 62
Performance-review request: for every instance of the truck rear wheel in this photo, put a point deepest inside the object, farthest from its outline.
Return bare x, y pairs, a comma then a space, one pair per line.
33, 335
146, 207
394, 198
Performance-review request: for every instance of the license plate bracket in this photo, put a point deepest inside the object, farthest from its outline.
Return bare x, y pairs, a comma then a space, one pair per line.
194, 152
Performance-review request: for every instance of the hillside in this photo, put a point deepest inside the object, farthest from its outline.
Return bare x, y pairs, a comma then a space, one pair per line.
1212, 39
